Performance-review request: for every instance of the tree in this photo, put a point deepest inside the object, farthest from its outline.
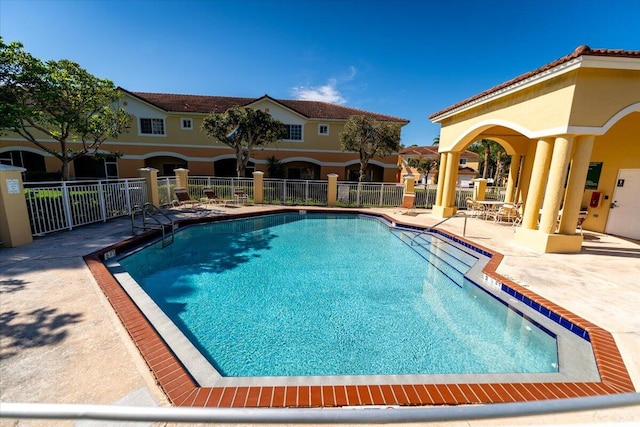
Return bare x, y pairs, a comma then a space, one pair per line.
495, 159
58, 100
243, 128
369, 138
275, 168
425, 165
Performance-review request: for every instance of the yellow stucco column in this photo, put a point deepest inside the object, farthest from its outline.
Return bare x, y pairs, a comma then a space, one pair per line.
479, 188
536, 185
151, 179
409, 184
442, 169
14, 217
555, 184
522, 191
258, 187
514, 168
544, 239
454, 162
182, 178
332, 189
575, 186
446, 209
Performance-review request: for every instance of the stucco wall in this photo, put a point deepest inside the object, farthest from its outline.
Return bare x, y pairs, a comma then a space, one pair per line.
617, 149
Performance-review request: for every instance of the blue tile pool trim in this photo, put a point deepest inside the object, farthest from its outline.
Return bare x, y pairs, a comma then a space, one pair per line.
582, 333
546, 312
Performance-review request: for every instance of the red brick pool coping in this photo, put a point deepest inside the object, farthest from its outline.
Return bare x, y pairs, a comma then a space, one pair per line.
182, 389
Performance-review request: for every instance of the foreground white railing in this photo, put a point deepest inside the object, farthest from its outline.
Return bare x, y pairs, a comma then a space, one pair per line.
354, 415
55, 206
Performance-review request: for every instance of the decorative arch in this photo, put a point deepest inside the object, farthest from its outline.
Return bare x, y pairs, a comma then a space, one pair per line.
473, 133
165, 154
24, 148
301, 159
371, 162
620, 115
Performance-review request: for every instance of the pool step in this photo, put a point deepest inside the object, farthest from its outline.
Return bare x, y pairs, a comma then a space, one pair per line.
439, 254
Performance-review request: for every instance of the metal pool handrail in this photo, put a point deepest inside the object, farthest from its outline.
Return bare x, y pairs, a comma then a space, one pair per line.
353, 415
427, 230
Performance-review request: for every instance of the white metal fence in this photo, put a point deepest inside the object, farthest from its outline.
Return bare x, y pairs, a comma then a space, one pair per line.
295, 192
223, 187
55, 206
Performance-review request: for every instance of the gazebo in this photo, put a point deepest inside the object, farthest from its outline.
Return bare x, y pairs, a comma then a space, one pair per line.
572, 129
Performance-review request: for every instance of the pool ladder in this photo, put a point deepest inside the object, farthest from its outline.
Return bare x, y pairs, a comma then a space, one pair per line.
427, 230
153, 219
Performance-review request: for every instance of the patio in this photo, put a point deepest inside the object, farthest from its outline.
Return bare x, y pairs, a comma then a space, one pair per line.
62, 343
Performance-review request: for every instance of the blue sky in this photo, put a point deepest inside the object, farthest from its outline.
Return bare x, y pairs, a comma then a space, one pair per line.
406, 58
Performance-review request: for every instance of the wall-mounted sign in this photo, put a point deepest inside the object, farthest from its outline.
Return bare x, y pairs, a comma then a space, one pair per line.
13, 186
593, 176
343, 193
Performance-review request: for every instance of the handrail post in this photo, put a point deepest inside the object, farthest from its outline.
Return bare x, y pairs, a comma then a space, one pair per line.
103, 207
127, 196
66, 202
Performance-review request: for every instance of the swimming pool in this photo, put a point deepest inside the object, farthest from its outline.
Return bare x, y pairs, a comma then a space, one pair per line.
324, 295
589, 362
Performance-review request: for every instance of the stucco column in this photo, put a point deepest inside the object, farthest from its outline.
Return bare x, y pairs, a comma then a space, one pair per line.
182, 178
258, 187
537, 184
332, 189
514, 168
448, 182
452, 170
409, 184
526, 168
442, 169
555, 184
575, 186
15, 229
479, 188
151, 178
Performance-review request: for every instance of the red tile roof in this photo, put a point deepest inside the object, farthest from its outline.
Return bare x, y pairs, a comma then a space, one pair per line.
580, 51
206, 104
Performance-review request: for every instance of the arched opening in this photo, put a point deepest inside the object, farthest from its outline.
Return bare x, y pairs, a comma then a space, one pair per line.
302, 170
227, 168
165, 164
33, 162
373, 173
89, 167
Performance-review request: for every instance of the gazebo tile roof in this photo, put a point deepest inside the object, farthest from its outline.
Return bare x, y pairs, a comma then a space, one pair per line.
580, 51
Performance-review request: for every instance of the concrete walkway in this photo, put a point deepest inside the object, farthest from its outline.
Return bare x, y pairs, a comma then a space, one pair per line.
60, 341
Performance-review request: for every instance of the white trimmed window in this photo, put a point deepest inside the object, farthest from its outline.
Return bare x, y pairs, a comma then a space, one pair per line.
152, 126
294, 132
323, 129
463, 161
186, 124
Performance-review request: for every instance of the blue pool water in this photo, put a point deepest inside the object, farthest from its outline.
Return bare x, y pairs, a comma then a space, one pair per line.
317, 294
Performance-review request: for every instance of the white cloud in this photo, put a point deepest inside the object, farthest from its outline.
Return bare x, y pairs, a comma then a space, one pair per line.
327, 93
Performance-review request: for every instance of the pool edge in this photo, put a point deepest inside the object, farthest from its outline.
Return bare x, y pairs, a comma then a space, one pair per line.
183, 390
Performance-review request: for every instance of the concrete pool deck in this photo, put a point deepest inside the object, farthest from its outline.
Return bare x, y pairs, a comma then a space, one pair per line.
62, 343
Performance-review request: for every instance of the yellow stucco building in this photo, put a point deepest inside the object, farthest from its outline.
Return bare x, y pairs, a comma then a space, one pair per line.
165, 134
572, 128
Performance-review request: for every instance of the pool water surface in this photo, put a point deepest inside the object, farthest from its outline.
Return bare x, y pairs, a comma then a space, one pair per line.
321, 295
